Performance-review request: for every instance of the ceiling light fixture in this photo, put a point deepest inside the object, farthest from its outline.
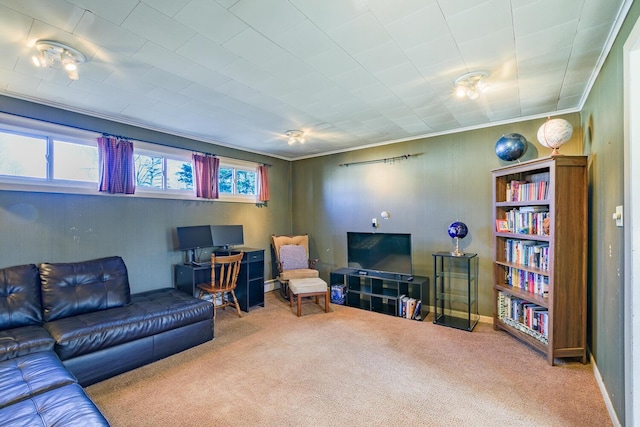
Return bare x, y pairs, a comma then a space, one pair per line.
295, 136
53, 54
471, 85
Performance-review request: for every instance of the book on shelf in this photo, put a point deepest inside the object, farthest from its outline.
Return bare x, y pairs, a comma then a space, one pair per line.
411, 306
527, 190
527, 220
524, 316
401, 305
417, 311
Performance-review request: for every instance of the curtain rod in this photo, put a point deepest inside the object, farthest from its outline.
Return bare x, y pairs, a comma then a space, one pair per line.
386, 160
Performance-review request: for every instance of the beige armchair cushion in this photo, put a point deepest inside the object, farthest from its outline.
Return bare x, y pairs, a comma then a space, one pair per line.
302, 273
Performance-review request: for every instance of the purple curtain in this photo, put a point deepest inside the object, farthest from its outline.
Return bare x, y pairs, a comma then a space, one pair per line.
206, 168
263, 194
116, 165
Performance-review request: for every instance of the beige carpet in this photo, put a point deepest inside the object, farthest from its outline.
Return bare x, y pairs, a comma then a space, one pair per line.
351, 367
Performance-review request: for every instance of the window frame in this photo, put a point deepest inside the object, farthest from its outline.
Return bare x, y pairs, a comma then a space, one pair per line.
54, 132
244, 166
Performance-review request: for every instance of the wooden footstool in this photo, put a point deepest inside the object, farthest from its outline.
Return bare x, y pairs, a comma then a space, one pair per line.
311, 287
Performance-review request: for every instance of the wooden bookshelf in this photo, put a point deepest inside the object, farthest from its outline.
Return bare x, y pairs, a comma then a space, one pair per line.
540, 267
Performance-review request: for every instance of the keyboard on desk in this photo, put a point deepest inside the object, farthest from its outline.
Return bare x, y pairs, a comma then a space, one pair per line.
202, 264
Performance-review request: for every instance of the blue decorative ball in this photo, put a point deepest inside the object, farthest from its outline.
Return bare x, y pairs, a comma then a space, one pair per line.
458, 229
511, 146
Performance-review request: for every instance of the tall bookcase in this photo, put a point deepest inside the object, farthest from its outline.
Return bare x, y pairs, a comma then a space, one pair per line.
540, 254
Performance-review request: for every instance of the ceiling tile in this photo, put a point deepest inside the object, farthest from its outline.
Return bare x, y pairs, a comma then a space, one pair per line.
479, 20
211, 20
419, 27
329, 14
304, 40
333, 62
361, 34
58, 13
105, 33
206, 53
269, 18
388, 11
113, 10
157, 27
14, 28
168, 7
533, 17
253, 46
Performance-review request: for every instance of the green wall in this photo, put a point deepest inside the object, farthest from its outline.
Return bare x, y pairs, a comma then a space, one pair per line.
49, 227
603, 126
446, 178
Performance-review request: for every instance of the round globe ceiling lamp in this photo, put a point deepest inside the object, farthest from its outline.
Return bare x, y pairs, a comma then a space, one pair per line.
471, 85
54, 54
554, 133
295, 136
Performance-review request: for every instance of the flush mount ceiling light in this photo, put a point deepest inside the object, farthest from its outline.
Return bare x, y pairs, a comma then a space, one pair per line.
53, 54
295, 136
471, 85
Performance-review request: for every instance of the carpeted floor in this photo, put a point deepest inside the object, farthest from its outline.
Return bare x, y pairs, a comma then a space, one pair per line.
351, 367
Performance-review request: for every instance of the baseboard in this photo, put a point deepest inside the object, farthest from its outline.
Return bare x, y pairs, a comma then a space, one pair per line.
605, 395
271, 285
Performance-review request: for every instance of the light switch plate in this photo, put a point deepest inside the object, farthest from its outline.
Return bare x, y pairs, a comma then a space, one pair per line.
618, 216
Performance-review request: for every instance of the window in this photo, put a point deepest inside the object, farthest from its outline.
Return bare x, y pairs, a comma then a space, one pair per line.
75, 162
39, 155
23, 156
237, 180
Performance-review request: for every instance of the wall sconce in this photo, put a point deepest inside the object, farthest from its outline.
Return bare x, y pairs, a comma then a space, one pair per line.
54, 54
471, 85
385, 215
295, 136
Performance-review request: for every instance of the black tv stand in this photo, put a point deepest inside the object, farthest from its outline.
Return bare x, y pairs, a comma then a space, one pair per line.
381, 291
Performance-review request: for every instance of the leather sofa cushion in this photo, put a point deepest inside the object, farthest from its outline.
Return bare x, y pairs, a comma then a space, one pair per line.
20, 297
148, 314
21, 341
68, 405
26, 376
69, 289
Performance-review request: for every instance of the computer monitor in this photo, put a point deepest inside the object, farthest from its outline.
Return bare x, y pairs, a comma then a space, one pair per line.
194, 237
226, 236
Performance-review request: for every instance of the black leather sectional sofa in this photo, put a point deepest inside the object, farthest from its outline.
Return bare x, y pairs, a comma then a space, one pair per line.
68, 325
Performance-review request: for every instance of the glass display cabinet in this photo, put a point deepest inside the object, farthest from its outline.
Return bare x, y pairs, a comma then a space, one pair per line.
455, 280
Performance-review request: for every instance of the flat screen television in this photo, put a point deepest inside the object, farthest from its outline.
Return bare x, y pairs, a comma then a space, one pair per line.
226, 236
380, 252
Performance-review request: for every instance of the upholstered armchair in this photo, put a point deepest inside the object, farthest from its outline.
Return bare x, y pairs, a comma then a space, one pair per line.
292, 260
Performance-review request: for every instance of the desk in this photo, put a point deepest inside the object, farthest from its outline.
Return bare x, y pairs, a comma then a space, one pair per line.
250, 287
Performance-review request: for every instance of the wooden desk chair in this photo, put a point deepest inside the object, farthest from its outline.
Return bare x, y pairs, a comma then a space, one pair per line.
228, 268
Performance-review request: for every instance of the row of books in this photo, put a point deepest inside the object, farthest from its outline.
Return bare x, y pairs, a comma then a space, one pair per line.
521, 191
409, 308
527, 252
531, 282
528, 220
525, 316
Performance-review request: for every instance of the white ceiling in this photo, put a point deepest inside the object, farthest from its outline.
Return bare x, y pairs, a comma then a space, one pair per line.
350, 73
